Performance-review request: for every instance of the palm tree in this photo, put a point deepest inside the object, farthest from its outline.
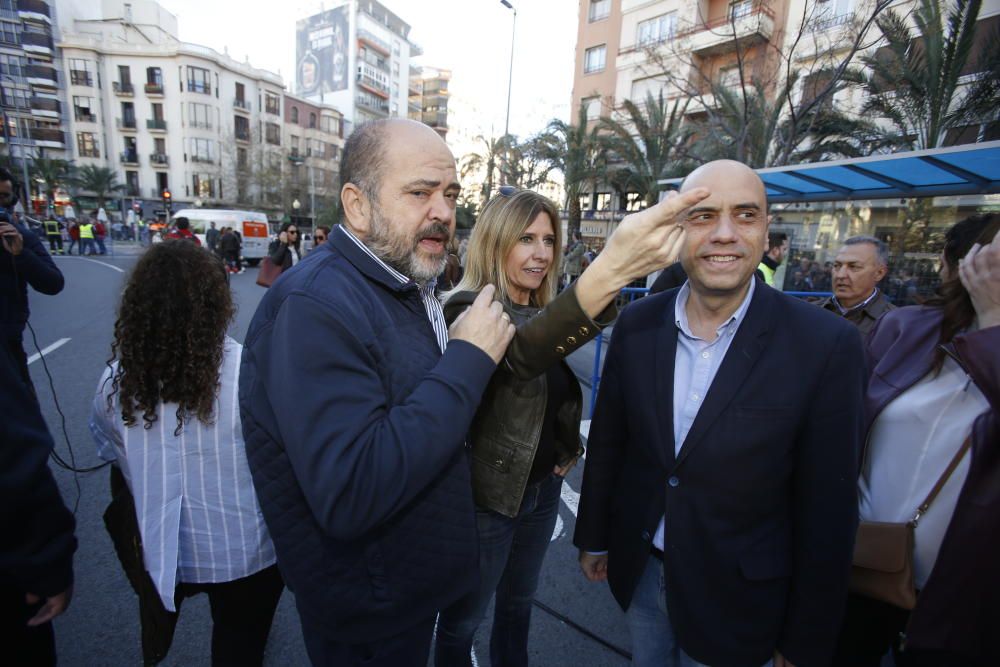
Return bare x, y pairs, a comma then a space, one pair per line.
579, 153
650, 140
488, 160
524, 163
914, 80
51, 175
100, 181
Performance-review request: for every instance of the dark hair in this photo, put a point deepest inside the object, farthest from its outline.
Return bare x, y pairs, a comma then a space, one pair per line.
322, 228
952, 296
775, 239
169, 340
182, 222
363, 158
5, 175
285, 226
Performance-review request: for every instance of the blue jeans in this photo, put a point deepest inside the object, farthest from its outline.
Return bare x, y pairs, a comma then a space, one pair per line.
87, 245
654, 643
511, 552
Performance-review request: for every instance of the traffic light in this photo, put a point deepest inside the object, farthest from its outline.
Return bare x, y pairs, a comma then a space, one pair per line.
166, 196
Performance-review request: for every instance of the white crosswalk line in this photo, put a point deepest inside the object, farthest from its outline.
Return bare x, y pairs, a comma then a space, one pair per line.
51, 348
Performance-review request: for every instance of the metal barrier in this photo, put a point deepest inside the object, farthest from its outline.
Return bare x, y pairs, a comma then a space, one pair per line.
631, 294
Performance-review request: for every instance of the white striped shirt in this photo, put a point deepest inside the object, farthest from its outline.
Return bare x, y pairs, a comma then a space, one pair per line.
431, 304
197, 510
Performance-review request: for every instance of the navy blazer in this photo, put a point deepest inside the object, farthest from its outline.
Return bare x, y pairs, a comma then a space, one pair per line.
760, 503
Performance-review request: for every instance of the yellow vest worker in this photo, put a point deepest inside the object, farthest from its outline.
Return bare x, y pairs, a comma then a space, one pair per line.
86, 231
768, 273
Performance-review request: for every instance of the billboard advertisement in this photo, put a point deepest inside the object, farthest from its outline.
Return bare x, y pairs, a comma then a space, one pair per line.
321, 54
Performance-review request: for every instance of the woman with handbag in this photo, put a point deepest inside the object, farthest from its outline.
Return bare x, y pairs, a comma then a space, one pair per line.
925, 582
525, 436
286, 250
166, 415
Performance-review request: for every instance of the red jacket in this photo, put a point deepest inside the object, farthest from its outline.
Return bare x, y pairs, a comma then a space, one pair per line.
957, 610
183, 234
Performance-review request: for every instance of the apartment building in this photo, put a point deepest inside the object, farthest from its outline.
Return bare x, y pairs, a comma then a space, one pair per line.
357, 57
429, 97
167, 115
30, 85
314, 140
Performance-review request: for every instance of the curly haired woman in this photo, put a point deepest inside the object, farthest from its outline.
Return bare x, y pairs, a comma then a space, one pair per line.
166, 414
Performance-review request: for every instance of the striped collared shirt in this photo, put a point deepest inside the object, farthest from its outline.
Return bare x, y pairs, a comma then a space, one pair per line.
857, 306
197, 510
431, 304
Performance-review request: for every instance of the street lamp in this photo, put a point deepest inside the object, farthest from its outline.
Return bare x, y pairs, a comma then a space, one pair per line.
298, 162
198, 203
510, 75
296, 205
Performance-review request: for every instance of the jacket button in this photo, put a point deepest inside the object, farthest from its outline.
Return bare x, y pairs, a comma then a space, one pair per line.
584, 331
571, 340
499, 462
560, 349
673, 481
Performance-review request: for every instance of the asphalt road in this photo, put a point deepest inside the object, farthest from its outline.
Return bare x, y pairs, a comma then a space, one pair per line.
575, 623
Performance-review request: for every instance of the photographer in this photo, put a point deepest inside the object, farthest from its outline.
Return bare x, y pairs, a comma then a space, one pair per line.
23, 262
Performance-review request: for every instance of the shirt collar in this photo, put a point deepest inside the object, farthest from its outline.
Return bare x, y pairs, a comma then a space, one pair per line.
399, 277
863, 304
730, 325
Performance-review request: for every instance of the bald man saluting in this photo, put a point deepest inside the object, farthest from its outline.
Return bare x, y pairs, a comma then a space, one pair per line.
718, 495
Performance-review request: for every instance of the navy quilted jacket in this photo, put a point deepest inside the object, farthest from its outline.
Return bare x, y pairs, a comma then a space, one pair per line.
355, 425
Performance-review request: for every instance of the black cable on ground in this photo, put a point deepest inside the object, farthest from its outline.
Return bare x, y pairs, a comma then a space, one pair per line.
582, 630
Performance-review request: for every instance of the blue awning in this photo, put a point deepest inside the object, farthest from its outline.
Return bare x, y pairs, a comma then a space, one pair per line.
937, 172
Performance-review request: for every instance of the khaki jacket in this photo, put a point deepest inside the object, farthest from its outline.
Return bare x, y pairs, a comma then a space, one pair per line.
863, 318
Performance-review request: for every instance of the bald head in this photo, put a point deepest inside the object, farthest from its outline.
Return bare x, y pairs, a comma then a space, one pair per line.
368, 149
720, 173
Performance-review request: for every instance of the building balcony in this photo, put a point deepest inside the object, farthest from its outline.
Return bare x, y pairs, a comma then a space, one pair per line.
132, 191
199, 87
202, 159
94, 152
153, 89
48, 137
159, 159
80, 78
123, 89
200, 124
370, 40
156, 125
37, 43
45, 108
34, 10
84, 116
744, 25
373, 86
435, 120
377, 106
41, 76
126, 124
241, 105
242, 136
129, 158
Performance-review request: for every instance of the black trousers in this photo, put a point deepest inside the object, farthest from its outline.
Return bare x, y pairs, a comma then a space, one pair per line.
410, 648
55, 241
242, 612
21, 646
872, 628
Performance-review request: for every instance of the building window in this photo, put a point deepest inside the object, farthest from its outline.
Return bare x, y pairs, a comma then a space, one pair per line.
203, 186
594, 59
201, 150
593, 106
740, 9
131, 183
241, 159
272, 134
11, 65
730, 79
199, 80
154, 76
242, 127
599, 9
86, 144
199, 115
272, 104
658, 29
79, 72
14, 97
293, 145
125, 76
8, 33
295, 115
312, 120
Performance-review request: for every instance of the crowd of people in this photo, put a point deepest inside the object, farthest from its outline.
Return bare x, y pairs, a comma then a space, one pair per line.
768, 480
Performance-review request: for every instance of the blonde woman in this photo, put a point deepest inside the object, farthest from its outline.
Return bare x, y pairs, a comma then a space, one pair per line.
525, 437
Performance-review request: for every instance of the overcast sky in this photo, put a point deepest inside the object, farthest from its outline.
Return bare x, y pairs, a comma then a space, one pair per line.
469, 37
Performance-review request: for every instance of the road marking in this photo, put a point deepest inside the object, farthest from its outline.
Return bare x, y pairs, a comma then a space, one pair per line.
570, 497
51, 348
110, 266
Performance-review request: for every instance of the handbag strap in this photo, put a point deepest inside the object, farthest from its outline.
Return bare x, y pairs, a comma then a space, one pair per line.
945, 476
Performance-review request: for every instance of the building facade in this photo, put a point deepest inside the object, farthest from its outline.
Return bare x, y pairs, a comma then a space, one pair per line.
31, 87
166, 115
357, 57
428, 103
314, 139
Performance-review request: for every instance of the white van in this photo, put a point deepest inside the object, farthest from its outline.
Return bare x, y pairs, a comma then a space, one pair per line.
252, 226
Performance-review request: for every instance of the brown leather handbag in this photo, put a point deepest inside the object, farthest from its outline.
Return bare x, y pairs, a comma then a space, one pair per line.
882, 568
268, 272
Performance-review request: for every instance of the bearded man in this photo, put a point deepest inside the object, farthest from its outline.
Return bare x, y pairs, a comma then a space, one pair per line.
355, 401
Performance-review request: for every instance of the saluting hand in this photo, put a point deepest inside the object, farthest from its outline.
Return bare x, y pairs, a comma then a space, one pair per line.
979, 272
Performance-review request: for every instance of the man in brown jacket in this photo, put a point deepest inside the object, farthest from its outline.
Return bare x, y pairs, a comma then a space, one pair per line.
861, 263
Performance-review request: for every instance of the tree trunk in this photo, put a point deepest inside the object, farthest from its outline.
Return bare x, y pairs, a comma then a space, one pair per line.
573, 222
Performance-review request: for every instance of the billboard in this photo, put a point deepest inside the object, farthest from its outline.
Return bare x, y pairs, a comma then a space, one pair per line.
321, 54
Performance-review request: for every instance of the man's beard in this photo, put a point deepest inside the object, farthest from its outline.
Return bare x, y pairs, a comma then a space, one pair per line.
402, 254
